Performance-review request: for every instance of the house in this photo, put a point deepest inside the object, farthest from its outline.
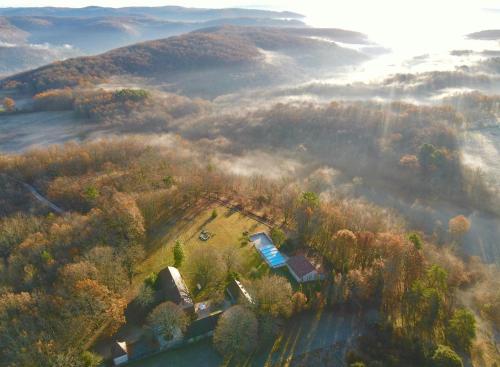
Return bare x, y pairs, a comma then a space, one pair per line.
174, 288
303, 270
119, 353
238, 293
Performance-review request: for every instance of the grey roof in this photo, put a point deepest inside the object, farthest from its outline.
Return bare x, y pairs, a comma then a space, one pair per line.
300, 265
173, 287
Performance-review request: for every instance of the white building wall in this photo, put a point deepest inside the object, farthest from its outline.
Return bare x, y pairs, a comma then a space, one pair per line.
120, 360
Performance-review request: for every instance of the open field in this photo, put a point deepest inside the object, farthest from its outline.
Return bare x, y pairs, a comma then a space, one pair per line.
226, 229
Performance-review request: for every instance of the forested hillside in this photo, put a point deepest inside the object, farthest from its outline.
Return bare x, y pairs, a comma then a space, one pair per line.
202, 50
66, 279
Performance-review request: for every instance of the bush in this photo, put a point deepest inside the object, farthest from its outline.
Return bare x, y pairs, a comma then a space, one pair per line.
461, 329
446, 357
152, 281
278, 236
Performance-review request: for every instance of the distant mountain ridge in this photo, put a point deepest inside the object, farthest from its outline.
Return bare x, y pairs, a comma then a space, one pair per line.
488, 34
177, 13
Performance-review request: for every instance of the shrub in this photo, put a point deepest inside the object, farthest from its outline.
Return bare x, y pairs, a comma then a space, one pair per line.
446, 357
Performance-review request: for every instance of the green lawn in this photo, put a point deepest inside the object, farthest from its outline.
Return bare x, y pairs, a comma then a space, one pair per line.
227, 229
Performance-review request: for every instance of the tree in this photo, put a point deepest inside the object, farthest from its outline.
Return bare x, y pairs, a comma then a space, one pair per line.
110, 270
310, 199
273, 295
178, 253
340, 254
299, 302
214, 214
146, 295
90, 359
236, 332
206, 266
416, 240
131, 256
167, 318
458, 226
91, 193
9, 104
277, 236
461, 329
446, 357
121, 220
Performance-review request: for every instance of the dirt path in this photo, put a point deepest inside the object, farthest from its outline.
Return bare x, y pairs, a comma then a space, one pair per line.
39, 197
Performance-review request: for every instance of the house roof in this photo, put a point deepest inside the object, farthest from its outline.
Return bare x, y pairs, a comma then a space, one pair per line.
300, 265
173, 286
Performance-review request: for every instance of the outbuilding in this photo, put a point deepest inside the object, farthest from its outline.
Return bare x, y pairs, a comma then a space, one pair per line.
174, 288
119, 353
303, 270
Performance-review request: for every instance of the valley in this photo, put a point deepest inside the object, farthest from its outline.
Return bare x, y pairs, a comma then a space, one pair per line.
171, 137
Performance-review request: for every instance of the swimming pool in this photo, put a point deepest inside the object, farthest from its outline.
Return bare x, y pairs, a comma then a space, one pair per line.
267, 250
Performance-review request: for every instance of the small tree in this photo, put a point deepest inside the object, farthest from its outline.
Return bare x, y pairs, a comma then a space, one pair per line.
214, 214
416, 240
91, 193
236, 332
461, 329
90, 359
178, 253
278, 236
299, 302
167, 318
458, 226
9, 104
446, 357
168, 181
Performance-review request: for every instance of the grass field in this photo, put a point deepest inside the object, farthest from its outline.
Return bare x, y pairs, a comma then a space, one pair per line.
226, 229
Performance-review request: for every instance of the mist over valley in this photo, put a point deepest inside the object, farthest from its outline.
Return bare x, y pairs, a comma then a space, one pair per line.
163, 113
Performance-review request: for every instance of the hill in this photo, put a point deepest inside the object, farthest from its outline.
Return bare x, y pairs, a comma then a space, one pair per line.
102, 33
213, 48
